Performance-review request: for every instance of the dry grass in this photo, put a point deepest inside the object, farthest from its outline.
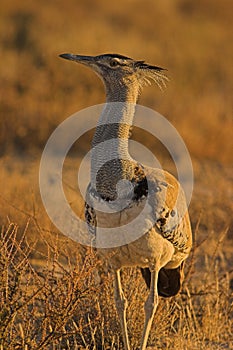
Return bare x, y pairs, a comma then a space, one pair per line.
50, 296
52, 299
55, 302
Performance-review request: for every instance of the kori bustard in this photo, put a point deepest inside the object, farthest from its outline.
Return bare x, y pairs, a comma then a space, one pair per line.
161, 249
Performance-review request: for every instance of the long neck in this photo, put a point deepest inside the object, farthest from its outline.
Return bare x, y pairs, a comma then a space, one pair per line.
110, 159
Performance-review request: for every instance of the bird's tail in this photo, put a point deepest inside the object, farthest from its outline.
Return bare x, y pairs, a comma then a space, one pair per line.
169, 280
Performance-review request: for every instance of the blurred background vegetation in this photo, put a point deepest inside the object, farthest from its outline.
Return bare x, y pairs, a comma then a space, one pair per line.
192, 39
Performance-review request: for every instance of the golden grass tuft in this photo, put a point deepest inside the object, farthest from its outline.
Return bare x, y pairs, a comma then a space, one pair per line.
59, 301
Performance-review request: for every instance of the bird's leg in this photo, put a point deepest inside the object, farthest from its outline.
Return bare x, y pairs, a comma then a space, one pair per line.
121, 306
150, 308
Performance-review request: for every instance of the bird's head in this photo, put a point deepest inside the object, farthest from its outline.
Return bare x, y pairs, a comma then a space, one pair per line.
121, 70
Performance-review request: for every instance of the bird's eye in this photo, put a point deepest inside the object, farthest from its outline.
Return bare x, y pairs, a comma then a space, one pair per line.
113, 63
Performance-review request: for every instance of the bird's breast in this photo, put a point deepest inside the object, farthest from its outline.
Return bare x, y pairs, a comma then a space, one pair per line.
147, 250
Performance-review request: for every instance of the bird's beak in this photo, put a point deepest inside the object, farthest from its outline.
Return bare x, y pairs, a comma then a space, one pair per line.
86, 60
